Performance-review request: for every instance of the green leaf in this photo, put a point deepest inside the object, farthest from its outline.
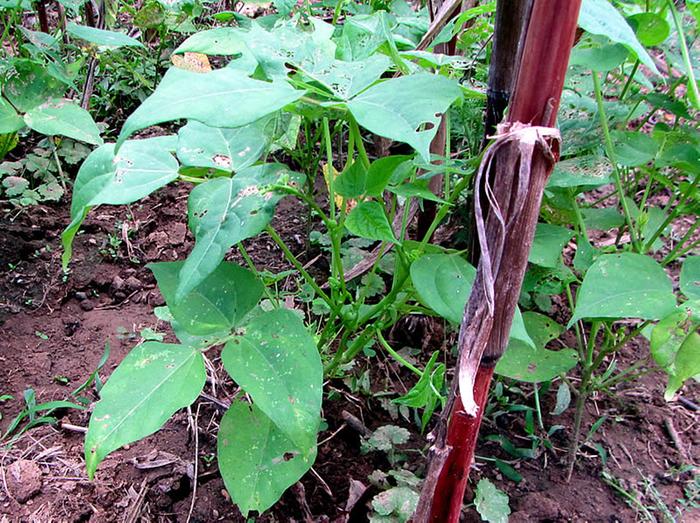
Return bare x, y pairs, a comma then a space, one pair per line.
491, 503
10, 121
59, 116
633, 149
150, 385
686, 366
690, 278
602, 218
675, 346
222, 41
650, 28
257, 461
597, 57
222, 149
103, 178
31, 86
398, 502
599, 17
347, 79
368, 220
220, 98
624, 285
534, 365
275, 360
443, 283
548, 244
352, 182
382, 171
563, 399
225, 211
217, 304
541, 328
102, 37
406, 109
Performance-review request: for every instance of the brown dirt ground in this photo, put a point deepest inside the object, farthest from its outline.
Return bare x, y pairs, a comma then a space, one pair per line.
53, 329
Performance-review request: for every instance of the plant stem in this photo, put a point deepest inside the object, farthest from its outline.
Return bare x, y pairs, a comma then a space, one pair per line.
397, 356
298, 266
251, 264
693, 93
630, 78
678, 250
611, 155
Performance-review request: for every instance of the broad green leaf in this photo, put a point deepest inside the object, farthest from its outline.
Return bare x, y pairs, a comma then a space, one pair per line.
352, 182
534, 365
102, 37
32, 85
624, 285
541, 328
690, 278
222, 149
395, 505
675, 346
686, 365
602, 218
10, 121
633, 149
599, 17
406, 109
275, 360
427, 391
650, 28
548, 244
136, 171
581, 173
150, 385
220, 98
563, 399
491, 503
257, 461
222, 41
598, 57
347, 79
62, 117
217, 304
444, 282
225, 211
368, 220
382, 171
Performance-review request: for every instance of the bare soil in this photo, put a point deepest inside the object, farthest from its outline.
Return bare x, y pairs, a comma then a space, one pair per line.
53, 332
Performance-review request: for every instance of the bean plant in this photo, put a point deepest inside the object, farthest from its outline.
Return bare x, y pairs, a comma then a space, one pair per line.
293, 99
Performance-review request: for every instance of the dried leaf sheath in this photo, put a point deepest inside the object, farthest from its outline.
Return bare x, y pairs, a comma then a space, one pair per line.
517, 148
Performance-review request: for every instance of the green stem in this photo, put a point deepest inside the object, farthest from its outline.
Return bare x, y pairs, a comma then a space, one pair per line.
397, 356
676, 251
677, 206
694, 95
361, 151
298, 266
251, 265
605, 352
611, 155
630, 78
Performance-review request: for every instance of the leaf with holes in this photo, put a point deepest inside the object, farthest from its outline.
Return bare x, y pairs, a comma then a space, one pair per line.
150, 385
406, 109
625, 285
225, 211
217, 304
136, 171
202, 147
257, 461
275, 360
221, 98
62, 117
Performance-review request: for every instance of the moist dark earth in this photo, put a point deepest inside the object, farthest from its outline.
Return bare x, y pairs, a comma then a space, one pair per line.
53, 331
